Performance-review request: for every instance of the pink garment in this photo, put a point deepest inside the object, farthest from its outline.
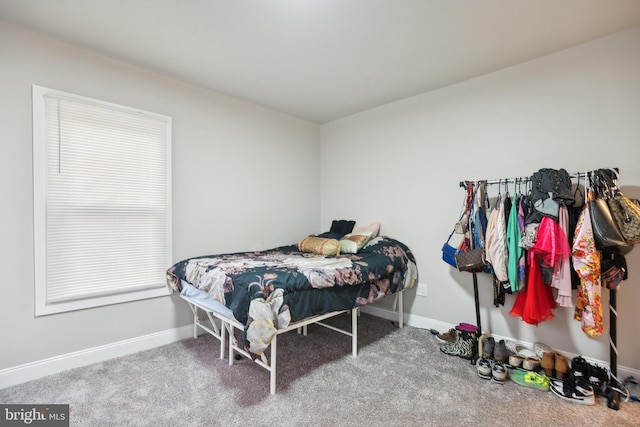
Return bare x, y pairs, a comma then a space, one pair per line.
552, 245
562, 274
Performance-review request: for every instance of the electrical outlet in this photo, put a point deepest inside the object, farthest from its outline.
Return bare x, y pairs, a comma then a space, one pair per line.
422, 289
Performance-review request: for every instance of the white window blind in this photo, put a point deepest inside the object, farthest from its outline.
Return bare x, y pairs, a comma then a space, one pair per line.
102, 179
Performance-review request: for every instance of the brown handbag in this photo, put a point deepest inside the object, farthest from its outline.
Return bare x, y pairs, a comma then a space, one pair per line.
471, 260
626, 214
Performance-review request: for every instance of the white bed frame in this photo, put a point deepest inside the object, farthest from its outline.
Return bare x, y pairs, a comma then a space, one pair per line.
229, 325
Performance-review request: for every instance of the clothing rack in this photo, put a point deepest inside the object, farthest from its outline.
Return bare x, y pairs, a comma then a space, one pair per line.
613, 314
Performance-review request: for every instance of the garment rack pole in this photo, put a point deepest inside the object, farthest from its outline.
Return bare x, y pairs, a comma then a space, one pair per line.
477, 302
522, 179
613, 314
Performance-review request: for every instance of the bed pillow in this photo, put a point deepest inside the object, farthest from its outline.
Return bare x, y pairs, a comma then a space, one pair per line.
374, 228
353, 242
319, 245
329, 235
342, 226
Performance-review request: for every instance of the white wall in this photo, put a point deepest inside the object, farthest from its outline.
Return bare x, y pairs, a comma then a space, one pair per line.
233, 164
401, 164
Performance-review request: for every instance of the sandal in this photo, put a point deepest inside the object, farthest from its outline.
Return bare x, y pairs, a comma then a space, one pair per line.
539, 349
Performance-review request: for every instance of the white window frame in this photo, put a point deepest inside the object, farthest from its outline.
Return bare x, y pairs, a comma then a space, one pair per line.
40, 161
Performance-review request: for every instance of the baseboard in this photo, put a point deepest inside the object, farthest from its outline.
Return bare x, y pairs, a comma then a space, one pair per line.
41, 368
426, 323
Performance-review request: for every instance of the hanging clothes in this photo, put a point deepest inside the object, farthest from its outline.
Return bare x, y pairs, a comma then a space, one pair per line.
586, 261
496, 241
535, 302
479, 217
551, 246
513, 240
523, 209
562, 275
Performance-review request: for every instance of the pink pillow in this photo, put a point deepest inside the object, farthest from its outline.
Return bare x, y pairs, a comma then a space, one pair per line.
374, 228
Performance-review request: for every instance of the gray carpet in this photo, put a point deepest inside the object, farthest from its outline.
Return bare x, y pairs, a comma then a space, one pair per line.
400, 378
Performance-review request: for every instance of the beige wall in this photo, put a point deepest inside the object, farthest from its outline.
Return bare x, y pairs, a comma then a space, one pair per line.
233, 165
401, 164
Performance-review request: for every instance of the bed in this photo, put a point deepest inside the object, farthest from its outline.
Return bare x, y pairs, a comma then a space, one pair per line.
264, 294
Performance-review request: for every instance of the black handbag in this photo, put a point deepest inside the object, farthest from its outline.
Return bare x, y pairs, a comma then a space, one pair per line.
606, 233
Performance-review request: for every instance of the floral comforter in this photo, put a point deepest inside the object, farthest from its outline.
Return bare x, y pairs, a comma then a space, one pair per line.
267, 290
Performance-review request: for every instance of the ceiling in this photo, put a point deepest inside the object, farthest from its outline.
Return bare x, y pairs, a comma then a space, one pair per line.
323, 59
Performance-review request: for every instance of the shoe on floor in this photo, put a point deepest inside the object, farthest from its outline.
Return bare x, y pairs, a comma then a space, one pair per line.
573, 389
483, 366
597, 376
488, 347
515, 360
548, 363
599, 379
450, 336
531, 363
500, 352
499, 373
631, 384
561, 366
530, 379
540, 349
464, 347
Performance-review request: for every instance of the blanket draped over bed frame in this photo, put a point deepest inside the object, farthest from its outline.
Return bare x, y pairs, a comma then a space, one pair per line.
267, 290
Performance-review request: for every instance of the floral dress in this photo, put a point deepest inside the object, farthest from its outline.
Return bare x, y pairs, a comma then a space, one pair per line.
586, 262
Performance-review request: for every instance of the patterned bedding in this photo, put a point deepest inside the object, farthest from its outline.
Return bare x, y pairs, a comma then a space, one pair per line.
268, 290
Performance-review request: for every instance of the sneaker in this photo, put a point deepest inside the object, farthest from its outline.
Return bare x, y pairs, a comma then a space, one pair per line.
573, 389
450, 336
597, 376
499, 373
579, 367
483, 366
530, 379
599, 379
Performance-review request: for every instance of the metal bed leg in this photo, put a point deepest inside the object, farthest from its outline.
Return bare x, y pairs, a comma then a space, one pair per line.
231, 337
222, 338
195, 324
272, 364
354, 332
401, 309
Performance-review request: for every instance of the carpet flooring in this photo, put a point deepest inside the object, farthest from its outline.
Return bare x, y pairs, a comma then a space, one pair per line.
400, 378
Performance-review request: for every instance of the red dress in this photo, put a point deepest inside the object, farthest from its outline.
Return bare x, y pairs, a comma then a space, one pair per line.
534, 304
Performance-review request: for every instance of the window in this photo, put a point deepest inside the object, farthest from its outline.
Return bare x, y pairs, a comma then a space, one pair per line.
102, 202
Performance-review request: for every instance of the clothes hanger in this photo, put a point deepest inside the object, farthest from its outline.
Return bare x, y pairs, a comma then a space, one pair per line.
578, 190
